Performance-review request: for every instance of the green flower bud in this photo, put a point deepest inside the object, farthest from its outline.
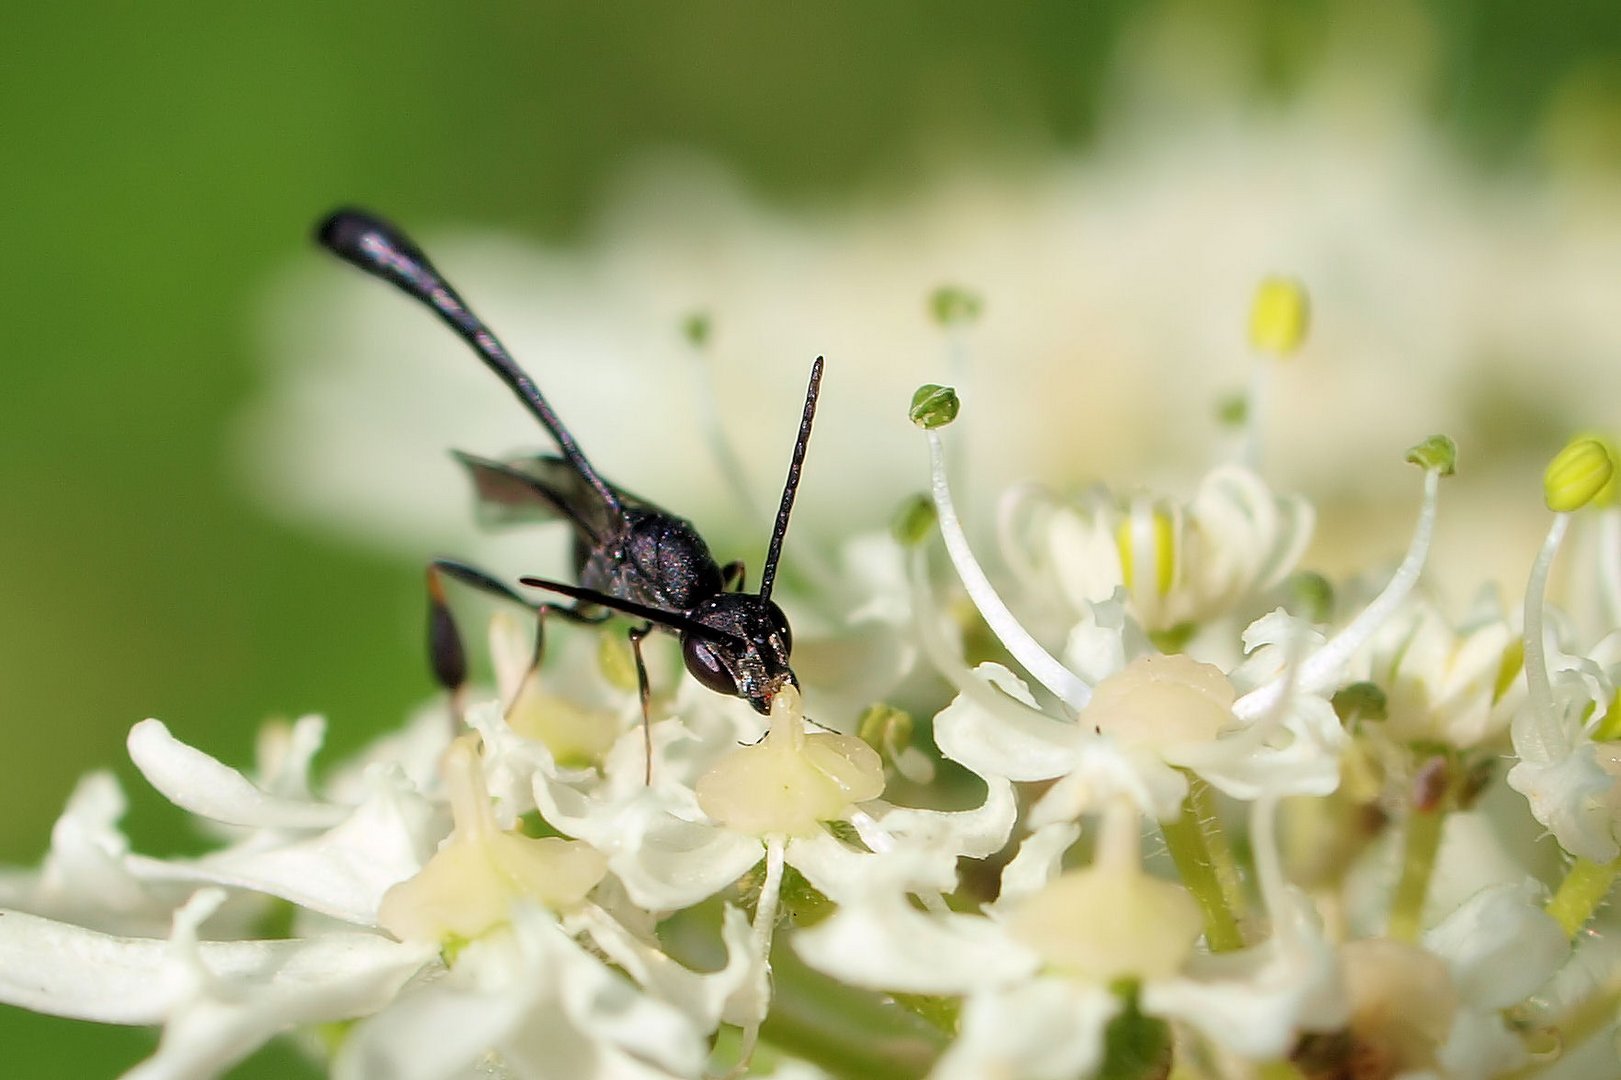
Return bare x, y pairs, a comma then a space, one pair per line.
934, 406
1360, 701
1435, 452
953, 305
914, 521
696, 328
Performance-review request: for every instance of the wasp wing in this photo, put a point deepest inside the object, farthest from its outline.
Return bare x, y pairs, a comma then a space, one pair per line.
531, 489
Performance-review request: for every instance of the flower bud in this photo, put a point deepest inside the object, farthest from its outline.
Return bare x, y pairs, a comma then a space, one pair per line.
1279, 316
1436, 452
1577, 475
933, 406
953, 305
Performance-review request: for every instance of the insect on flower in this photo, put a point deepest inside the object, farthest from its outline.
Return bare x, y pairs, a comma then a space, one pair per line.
630, 556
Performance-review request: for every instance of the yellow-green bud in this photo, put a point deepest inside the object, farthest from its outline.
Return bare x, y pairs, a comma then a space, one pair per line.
953, 305
1435, 452
1576, 475
696, 328
1607, 495
914, 520
934, 406
1280, 316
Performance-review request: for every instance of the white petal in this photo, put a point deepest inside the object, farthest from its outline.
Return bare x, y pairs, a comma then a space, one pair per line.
1500, 945
416, 749
541, 1005
973, 834
702, 996
194, 781
1013, 743
842, 873
65, 970
665, 862
1567, 796
284, 754
82, 880
1481, 1045
884, 943
1103, 771
342, 872
1255, 1001
1049, 1029
1039, 860
1266, 761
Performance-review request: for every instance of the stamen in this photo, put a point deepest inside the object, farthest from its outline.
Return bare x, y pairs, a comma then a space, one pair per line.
1544, 739
1321, 668
1279, 317
943, 656
1037, 661
1578, 474
765, 925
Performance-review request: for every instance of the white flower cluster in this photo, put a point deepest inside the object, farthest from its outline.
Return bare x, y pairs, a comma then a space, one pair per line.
1337, 878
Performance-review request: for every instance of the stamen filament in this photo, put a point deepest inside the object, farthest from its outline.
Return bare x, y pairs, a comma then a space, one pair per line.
1065, 684
1543, 739
765, 925
1320, 669
1609, 563
943, 656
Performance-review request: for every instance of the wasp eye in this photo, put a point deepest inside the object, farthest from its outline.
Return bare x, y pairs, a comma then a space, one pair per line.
705, 665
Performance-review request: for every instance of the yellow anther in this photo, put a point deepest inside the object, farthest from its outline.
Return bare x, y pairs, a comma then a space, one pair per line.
1280, 316
1577, 475
1150, 533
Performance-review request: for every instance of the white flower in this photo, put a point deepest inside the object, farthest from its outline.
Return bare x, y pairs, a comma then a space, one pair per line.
526, 1001
1037, 972
1180, 565
1458, 686
218, 1000
1428, 280
1280, 737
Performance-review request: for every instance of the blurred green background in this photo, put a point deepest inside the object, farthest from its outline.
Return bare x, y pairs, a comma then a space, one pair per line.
164, 161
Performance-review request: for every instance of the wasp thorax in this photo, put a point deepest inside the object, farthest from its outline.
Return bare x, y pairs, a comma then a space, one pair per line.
747, 655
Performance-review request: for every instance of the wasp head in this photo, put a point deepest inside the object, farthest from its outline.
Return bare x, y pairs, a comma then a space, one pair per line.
747, 656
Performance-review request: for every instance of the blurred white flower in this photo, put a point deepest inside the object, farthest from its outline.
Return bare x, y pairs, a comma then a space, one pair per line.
1117, 283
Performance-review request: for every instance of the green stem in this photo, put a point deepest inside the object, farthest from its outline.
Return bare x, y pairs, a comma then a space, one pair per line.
847, 1032
1185, 839
1579, 895
1202, 800
1422, 841
1279, 1069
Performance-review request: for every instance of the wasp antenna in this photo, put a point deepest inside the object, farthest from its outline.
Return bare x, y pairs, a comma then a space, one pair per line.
673, 620
382, 250
769, 575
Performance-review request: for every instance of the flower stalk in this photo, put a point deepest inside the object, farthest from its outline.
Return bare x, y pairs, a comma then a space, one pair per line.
1186, 838
1585, 887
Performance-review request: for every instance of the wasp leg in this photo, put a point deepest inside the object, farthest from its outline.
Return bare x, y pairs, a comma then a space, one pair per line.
637, 633
447, 657
732, 576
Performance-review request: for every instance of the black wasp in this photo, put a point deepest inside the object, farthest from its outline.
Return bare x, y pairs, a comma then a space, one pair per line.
630, 556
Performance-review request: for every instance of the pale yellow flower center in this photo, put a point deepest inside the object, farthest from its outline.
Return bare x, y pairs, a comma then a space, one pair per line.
470, 884
1111, 920
1159, 702
790, 782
